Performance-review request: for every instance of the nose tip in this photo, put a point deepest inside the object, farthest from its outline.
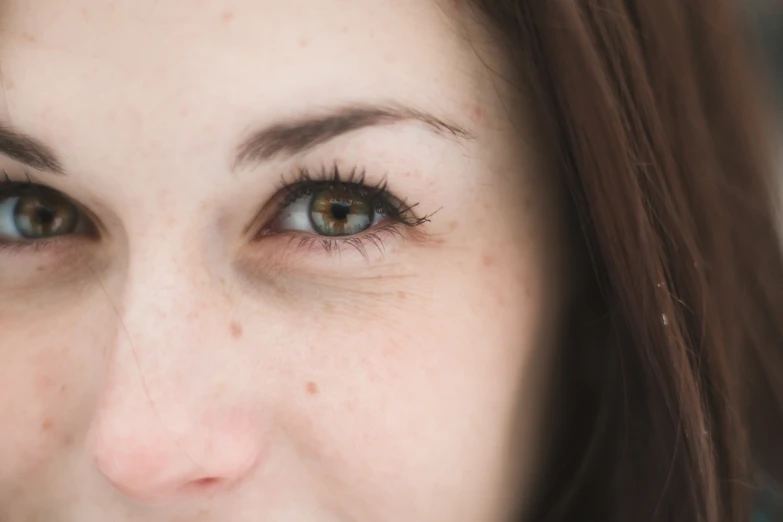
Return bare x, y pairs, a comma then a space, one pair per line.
160, 470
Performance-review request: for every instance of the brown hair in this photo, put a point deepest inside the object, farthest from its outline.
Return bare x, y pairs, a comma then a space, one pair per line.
652, 108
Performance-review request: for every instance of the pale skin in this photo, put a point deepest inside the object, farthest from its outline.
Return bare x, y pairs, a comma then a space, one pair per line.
174, 359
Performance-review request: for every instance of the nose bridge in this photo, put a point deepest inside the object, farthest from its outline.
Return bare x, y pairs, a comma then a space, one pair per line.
164, 324
159, 431
162, 300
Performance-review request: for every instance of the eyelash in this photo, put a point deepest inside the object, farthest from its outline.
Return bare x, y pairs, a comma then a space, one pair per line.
397, 214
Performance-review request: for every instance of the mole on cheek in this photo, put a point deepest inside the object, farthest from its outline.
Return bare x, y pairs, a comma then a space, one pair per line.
236, 330
312, 388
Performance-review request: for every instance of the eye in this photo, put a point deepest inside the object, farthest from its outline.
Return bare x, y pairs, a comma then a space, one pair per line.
33, 213
331, 212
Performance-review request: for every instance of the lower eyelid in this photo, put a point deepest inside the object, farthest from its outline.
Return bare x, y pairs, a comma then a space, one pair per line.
380, 237
51, 247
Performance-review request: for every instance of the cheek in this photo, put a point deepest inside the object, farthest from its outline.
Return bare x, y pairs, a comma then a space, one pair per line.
407, 386
34, 395
47, 364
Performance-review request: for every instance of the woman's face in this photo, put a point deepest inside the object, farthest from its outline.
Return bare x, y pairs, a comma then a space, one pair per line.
299, 262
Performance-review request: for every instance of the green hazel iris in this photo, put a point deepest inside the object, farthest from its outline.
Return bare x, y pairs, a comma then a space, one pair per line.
43, 214
337, 213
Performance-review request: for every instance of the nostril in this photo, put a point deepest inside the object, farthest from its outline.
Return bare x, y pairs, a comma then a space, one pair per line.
204, 486
205, 482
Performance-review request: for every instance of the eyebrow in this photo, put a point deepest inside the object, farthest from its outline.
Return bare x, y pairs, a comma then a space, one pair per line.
283, 138
300, 135
27, 150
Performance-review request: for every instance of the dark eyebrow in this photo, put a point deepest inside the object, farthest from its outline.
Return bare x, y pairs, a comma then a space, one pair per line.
299, 135
26, 149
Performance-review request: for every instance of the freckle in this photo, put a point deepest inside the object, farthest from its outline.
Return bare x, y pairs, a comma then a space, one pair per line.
40, 268
402, 295
47, 425
312, 388
478, 113
227, 16
488, 260
63, 388
453, 226
236, 330
303, 42
30, 38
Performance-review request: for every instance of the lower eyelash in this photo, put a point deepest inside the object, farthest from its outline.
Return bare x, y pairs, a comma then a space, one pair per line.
361, 242
24, 247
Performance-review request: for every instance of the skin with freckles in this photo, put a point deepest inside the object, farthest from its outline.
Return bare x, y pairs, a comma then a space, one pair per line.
195, 349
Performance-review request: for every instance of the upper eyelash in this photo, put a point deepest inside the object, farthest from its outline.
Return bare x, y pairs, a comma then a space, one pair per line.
28, 184
306, 183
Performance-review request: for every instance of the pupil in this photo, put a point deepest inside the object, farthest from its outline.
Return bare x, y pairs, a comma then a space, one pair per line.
340, 211
44, 215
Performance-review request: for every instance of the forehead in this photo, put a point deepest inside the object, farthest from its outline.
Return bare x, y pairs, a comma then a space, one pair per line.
104, 81
244, 52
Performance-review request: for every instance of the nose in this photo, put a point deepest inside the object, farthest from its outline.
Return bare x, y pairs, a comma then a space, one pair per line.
150, 462
173, 419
